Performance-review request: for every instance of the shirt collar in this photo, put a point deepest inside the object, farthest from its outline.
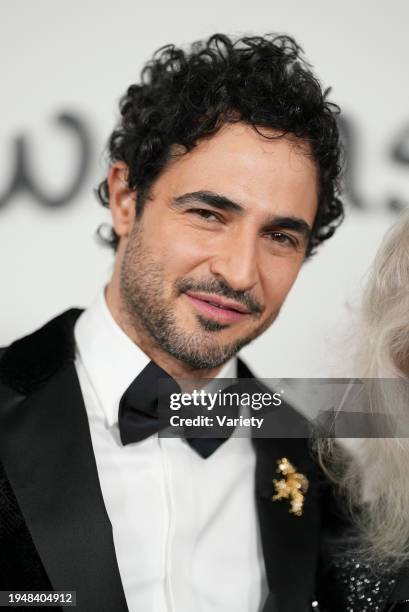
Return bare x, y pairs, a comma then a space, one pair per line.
111, 359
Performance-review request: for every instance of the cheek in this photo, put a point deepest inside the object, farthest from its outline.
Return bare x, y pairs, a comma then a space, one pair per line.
277, 282
179, 250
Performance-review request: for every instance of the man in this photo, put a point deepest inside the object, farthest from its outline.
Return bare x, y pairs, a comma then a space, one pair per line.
223, 179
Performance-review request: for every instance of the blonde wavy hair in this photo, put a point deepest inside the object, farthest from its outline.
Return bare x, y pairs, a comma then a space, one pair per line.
374, 472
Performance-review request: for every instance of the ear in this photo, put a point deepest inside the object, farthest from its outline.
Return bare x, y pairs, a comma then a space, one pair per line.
121, 199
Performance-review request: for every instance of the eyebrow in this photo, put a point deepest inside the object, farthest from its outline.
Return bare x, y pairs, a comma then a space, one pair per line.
211, 198
296, 224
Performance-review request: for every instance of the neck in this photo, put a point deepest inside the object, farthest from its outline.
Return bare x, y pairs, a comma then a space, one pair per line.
174, 367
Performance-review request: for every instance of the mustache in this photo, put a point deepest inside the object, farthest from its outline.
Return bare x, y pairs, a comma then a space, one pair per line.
219, 287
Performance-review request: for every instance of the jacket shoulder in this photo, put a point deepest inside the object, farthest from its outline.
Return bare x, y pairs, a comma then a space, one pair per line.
29, 361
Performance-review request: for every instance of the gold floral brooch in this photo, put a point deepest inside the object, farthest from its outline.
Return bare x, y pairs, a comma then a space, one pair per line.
292, 486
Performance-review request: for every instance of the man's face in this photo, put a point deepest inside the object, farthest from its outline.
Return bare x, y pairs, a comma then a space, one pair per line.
220, 242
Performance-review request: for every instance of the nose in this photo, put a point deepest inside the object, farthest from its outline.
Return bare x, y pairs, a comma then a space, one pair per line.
236, 261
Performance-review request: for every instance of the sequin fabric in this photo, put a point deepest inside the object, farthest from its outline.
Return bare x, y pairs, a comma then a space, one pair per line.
366, 588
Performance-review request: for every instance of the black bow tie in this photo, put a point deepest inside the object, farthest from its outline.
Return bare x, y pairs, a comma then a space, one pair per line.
139, 417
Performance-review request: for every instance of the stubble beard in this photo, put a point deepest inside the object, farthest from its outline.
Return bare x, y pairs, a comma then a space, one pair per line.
149, 313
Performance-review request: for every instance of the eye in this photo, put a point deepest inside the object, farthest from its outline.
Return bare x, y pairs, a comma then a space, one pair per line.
284, 239
204, 213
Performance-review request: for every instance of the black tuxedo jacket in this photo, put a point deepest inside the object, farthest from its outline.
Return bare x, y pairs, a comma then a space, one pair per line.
54, 530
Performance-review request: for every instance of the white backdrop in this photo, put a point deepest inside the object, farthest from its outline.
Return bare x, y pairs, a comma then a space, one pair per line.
79, 57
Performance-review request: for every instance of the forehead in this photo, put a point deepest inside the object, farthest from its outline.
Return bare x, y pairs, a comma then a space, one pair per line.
265, 175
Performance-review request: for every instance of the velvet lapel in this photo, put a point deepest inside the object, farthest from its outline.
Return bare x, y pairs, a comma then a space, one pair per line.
290, 543
400, 593
47, 454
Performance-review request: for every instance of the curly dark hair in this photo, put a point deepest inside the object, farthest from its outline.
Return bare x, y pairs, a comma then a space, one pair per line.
186, 95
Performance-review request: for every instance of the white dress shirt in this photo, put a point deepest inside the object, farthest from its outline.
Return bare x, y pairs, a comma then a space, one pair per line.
185, 528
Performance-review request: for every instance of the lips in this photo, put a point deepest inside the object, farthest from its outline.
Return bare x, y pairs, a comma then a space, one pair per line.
218, 308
